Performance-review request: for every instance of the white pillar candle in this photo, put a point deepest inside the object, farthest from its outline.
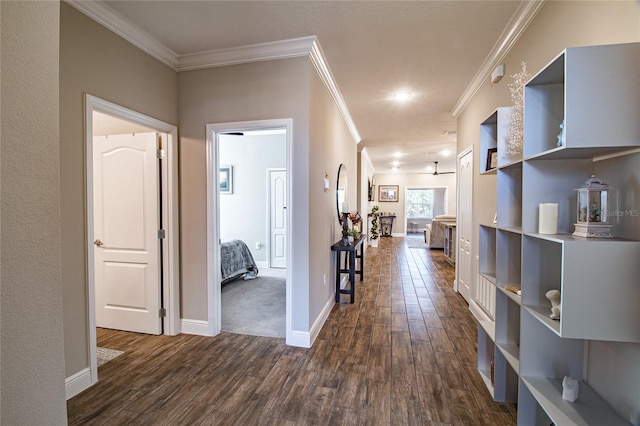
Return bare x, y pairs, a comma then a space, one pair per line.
548, 218
345, 207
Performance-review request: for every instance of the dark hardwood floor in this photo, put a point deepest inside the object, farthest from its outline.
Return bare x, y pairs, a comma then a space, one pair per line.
403, 354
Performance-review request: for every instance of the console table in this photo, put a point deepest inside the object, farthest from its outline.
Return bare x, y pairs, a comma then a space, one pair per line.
353, 251
386, 225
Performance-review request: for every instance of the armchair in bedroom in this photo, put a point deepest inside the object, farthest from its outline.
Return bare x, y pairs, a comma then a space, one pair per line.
434, 232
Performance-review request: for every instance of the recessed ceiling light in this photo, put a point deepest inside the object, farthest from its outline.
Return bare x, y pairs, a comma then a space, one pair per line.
445, 153
395, 163
395, 169
402, 97
397, 154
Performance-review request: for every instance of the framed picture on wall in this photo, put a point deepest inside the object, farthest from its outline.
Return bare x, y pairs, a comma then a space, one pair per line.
492, 158
226, 179
388, 193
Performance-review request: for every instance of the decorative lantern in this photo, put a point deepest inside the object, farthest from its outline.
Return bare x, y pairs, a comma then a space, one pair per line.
592, 210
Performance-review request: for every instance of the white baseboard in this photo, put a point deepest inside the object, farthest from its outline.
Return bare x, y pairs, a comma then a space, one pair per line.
300, 339
305, 339
78, 382
196, 327
263, 264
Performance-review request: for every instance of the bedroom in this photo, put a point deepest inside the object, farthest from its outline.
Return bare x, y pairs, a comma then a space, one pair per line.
252, 163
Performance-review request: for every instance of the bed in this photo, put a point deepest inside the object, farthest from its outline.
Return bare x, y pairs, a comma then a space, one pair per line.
236, 260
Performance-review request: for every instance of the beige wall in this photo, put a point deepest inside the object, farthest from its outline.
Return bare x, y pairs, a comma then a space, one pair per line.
412, 180
256, 91
330, 144
96, 61
558, 25
365, 173
32, 353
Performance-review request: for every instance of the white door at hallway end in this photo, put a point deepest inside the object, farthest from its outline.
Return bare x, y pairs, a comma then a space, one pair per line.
464, 231
126, 221
278, 218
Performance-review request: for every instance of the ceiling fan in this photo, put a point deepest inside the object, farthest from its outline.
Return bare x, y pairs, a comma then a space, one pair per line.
435, 171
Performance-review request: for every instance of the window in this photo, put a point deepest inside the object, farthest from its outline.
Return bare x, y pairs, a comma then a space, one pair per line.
420, 203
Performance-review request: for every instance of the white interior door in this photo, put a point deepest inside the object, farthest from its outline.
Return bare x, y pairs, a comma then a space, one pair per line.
126, 218
464, 266
278, 218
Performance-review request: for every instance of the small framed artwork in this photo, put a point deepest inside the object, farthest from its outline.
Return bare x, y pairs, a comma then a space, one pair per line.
492, 158
388, 193
226, 180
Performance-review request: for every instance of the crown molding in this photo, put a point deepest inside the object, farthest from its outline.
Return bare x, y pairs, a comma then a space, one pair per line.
106, 17
317, 59
514, 29
283, 49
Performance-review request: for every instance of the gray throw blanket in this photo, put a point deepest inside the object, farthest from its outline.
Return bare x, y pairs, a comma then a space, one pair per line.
236, 259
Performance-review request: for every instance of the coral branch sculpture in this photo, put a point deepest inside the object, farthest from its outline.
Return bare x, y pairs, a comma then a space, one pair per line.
516, 124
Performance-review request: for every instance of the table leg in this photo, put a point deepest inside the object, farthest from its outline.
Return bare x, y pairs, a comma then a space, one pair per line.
338, 277
352, 274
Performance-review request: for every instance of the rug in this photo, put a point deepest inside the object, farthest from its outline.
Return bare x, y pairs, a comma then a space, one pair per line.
256, 307
415, 243
105, 355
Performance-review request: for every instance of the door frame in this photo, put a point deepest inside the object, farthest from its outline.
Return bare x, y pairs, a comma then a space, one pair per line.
269, 233
458, 185
214, 296
170, 244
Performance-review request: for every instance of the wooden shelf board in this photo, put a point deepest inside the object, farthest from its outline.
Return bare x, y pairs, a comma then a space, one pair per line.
588, 409
511, 353
489, 172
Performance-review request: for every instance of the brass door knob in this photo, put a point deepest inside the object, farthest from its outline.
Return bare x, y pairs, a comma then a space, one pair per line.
98, 243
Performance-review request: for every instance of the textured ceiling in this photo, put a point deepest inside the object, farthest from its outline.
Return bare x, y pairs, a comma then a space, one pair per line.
433, 48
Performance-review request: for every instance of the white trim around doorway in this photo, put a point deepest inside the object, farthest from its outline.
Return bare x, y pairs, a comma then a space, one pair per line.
170, 244
214, 309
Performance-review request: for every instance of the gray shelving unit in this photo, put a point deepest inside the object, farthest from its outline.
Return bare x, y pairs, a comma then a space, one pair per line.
595, 92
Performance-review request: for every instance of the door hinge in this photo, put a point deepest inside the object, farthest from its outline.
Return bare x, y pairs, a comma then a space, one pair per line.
160, 151
162, 313
161, 234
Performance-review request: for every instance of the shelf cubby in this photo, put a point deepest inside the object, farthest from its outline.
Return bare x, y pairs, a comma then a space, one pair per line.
488, 248
508, 251
588, 409
486, 352
508, 329
552, 181
595, 90
505, 387
494, 132
509, 197
591, 301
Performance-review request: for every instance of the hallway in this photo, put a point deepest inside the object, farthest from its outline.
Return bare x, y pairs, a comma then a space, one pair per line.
404, 353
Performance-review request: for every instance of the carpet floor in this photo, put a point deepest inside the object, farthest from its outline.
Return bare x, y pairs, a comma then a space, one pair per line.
256, 307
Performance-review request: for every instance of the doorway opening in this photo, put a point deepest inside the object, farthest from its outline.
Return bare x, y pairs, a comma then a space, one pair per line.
247, 179
118, 137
